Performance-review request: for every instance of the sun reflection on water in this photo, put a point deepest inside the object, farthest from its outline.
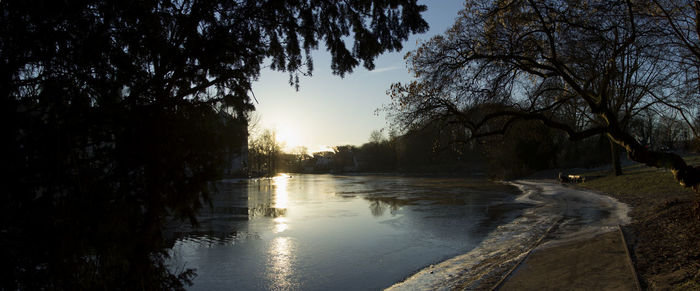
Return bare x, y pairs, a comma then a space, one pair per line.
281, 254
281, 195
280, 268
281, 200
280, 224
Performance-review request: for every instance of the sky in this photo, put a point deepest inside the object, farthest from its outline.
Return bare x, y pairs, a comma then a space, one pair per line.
328, 110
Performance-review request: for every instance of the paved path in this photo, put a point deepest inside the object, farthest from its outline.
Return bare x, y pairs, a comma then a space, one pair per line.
598, 263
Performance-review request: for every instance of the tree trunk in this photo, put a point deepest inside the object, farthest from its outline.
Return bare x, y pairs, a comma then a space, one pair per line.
686, 175
615, 158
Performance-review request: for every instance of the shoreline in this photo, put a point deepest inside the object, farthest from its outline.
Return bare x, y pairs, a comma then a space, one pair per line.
574, 212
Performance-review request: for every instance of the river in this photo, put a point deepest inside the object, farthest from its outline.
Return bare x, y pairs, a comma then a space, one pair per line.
333, 232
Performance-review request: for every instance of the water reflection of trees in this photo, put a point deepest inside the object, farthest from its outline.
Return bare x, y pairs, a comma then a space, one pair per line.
224, 220
266, 210
208, 238
379, 205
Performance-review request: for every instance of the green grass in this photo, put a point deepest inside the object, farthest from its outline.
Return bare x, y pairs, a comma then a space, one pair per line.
638, 181
643, 187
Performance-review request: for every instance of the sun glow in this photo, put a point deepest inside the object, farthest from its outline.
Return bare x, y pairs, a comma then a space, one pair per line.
323, 148
288, 137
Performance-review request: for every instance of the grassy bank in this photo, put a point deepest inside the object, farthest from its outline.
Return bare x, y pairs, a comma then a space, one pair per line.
664, 236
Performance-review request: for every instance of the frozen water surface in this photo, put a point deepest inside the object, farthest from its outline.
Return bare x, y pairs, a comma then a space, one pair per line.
330, 232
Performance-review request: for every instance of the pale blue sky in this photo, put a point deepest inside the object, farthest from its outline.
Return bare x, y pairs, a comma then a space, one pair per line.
329, 110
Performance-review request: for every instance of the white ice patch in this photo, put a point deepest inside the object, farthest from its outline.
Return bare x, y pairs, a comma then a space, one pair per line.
527, 192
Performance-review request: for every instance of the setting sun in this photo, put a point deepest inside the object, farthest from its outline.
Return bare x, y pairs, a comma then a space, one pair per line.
288, 137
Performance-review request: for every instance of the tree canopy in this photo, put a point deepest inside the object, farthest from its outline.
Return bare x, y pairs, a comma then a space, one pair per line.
583, 67
116, 115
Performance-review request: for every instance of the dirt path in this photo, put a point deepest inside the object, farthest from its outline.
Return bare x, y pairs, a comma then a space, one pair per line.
597, 263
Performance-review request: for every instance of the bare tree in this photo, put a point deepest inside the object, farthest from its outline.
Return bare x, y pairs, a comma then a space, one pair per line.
376, 136
680, 20
583, 67
254, 123
264, 150
301, 154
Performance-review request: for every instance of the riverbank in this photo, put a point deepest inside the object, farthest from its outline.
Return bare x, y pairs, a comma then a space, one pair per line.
559, 215
664, 235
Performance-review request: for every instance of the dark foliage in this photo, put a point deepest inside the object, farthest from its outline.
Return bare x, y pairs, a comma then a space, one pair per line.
116, 115
431, 149
378, 156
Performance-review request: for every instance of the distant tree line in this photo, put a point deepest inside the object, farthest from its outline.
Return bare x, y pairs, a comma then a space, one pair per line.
524, 148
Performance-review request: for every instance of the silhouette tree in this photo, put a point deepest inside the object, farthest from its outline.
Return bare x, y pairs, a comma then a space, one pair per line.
505, 62
376, 136
379, 154
301, 154
264, 152
112, 119
344, 158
